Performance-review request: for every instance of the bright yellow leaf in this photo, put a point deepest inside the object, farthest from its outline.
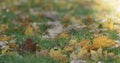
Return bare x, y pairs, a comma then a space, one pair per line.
109, 24
102, 41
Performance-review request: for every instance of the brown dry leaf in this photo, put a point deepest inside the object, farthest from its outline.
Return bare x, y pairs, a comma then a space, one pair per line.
5, 38
29, 46
57, 54
29, 31
88, 19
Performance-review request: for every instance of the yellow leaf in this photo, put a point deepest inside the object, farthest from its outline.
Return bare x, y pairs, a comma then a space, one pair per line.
94, 55
3, 27
100, 53
84, 43
29, 31
4, 50
63, 35
72, 55
37, 1
102, 41
72, 42
5, 38
109, 24
68, 48
57, 54
76, 20
83, 54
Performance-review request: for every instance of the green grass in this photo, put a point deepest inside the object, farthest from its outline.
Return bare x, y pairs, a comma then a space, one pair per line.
28, 58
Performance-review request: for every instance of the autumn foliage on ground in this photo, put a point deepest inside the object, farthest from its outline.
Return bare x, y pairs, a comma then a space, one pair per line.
59, 31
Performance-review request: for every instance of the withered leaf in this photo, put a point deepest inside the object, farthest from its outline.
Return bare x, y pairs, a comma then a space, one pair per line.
42, 53
29, 46
29, 31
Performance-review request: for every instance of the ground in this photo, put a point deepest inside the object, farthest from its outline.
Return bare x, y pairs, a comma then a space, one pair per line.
59, 31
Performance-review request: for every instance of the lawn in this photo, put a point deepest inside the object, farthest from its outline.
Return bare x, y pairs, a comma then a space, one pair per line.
59, 31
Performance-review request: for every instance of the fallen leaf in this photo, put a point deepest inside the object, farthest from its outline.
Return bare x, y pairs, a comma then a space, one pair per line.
51, 15
111, 55
83, 54
12, 45
29, 46
97, 54
100, 53
29, 31
42, 53
3, 27
4, 50
57, 54
68, 48
37, 1
88, 19
75, 20
72, 42
102, 41
76, 60
94, 55
2, 45
109, 24
62, 35
84, 43
5, 38
54, 31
